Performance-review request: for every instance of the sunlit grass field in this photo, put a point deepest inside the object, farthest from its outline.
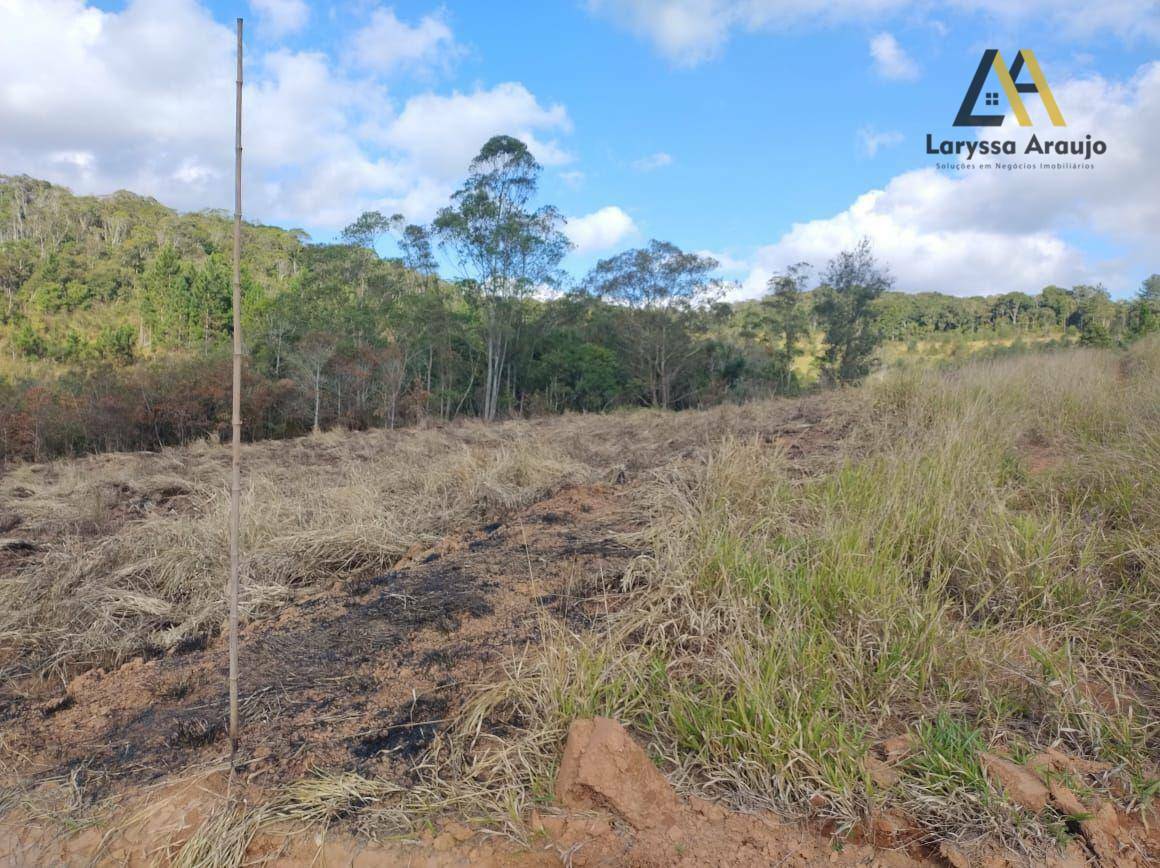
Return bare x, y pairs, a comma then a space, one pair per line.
964, 558
978, 570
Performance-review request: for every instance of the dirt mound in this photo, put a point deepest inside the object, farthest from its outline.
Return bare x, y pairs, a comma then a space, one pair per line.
1021, 785
603, 767
622, 811
619, 810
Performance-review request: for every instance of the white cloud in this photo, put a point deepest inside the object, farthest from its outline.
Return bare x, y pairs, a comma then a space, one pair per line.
964, 261
573, 178
386, 44
137, 91
600, 230
890, 60
653, 162
726, 261
689, 32
281, 17
873, 141
443, 133
1130, 20
143, 99
983, 231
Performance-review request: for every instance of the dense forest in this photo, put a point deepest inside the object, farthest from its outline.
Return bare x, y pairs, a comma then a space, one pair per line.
115, 320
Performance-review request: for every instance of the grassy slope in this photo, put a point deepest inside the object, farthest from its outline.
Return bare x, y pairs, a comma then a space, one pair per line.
133, 552
947, 348
981, 568
978, 566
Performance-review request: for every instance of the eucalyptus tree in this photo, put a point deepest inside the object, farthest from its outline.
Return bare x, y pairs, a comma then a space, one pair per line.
415, 244
844, 304
505, 247
785, 303
311, 355
369, 227
664, 289
365, 233
1144, 312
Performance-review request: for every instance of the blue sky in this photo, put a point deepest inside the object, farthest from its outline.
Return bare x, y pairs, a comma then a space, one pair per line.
763, 132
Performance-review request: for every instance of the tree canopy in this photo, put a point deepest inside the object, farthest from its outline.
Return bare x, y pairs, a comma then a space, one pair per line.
115, 326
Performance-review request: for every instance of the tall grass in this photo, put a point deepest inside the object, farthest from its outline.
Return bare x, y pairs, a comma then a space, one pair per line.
314, 511
978, 567
133, 546
981, 568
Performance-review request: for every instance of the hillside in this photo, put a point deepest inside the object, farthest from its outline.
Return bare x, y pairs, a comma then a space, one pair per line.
115, 325
919, 615
116, 277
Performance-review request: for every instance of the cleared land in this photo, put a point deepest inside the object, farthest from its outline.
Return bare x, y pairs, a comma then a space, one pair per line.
893, 615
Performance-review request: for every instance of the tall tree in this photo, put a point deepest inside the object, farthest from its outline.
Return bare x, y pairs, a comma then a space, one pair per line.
1145, 312
845, 308
365, 233
312, 354
417, 253
16, 266
210, 300
1094, 313
164, 299
506, 248
663, 287
1012, 306
784, 302
1059, 301
369, 227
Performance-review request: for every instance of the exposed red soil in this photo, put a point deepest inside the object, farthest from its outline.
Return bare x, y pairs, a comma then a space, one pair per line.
363, 676
151, 829
358, 677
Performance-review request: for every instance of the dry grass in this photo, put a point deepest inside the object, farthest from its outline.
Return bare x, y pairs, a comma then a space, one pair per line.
134, 552
222, 839
981, 570
979, 567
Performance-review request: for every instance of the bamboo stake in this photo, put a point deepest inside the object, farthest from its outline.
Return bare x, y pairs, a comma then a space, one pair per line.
236, 458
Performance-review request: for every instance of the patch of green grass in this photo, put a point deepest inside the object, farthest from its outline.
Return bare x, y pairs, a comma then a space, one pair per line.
947, 763
927, 578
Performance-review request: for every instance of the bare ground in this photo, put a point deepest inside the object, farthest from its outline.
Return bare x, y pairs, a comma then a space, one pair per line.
361, 677
122, 765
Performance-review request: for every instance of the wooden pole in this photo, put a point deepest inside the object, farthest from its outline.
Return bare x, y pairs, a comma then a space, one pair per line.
236, 458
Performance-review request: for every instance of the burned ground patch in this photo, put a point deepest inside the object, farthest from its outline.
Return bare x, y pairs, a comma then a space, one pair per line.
431, 596
198, 731
408, 733
197, 642
58, 705
364, 674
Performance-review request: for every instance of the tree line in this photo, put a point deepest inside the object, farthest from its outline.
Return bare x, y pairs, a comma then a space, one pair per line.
115, 325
